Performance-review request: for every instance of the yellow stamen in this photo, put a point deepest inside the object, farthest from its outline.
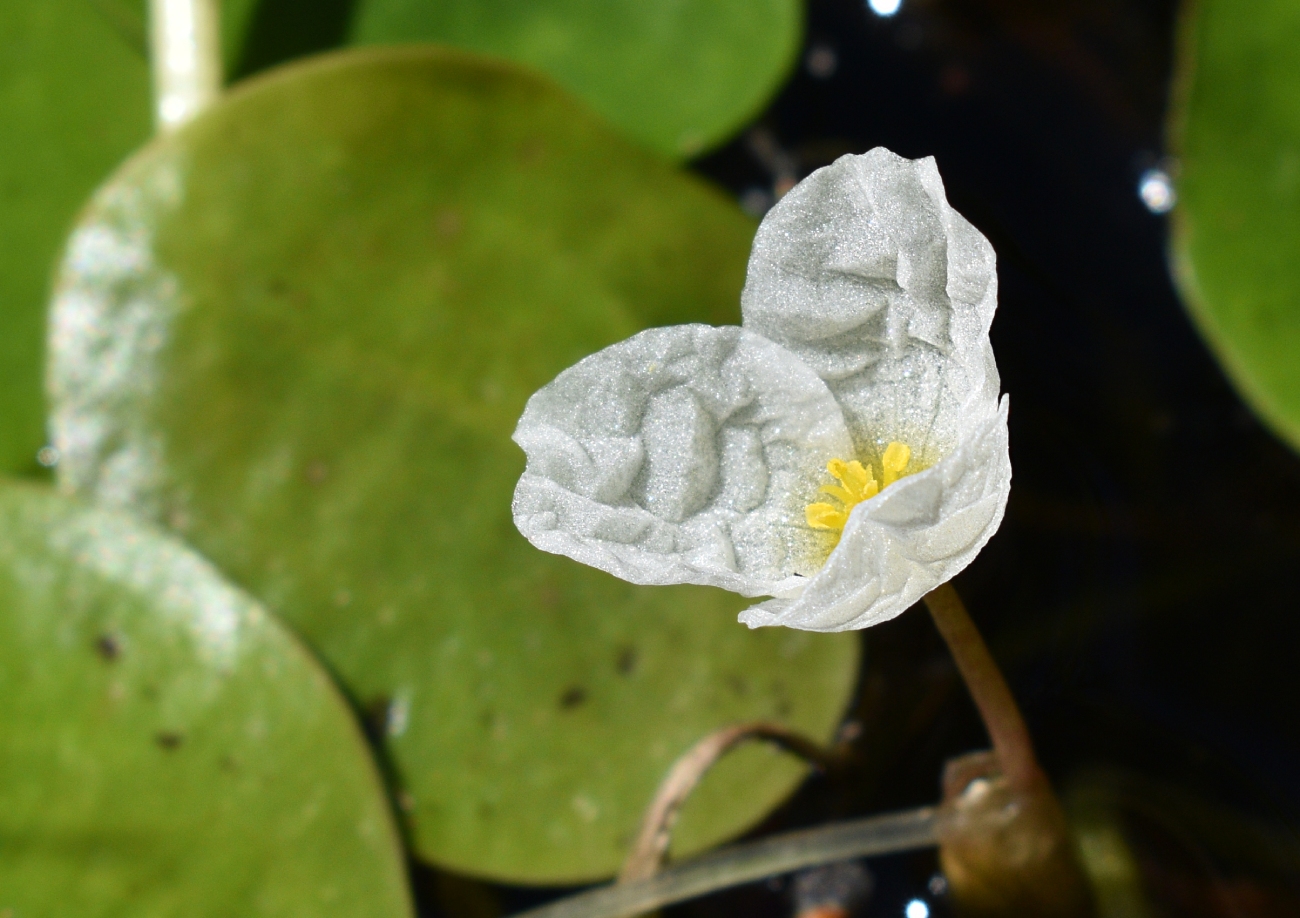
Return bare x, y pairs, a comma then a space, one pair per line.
896, 457
856, 484
824, 516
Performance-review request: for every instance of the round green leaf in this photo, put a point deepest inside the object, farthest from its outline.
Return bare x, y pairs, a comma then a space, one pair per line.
1237, 226
74, 100
300, 331
168, 748
678, 75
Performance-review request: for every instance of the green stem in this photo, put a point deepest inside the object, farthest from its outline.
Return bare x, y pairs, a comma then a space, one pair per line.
892, 833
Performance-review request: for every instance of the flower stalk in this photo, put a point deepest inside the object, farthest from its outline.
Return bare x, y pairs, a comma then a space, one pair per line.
1004, 843
185, 57
988, 689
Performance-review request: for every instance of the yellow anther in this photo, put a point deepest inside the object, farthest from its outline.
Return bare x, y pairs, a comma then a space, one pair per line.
856, 484
824, 516
896, 457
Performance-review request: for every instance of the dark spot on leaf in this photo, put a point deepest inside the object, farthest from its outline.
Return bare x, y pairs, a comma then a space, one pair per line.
548, 596
109, 647
573, 696
317, 472
229, 763
169, 739
737, 684
405, 802
486, 810
626, 661
532, 150
781, 699
149, 692
449, 223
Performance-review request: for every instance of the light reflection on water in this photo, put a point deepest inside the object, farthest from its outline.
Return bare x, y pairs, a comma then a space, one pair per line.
1156, 190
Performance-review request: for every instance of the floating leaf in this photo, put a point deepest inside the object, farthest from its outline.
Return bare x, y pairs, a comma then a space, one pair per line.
167, 746
1237, 228
300, 331
679, 76
74, 100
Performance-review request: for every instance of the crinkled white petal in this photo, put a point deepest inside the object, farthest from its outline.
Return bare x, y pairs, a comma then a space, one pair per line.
915, 535
867, 274
681, 455
867, 308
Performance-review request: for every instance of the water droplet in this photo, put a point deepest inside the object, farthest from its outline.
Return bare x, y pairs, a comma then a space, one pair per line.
1156, 190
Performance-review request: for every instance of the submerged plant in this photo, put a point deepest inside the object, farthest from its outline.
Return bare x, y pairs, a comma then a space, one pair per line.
695, 454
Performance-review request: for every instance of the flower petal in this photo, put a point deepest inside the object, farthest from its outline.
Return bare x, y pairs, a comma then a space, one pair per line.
681, 455
916, 534
867, 274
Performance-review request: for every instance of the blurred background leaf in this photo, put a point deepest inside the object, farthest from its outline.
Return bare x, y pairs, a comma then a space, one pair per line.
1237, 228
74, 101
300, 331
678, 75
168, 748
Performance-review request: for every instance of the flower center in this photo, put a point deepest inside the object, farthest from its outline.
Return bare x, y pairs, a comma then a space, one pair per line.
856, 484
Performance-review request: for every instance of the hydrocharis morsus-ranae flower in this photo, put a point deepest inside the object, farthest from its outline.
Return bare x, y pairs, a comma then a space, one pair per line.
844, 451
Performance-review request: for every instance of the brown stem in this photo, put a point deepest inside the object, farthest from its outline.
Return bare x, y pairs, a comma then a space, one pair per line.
651, 846
989, 690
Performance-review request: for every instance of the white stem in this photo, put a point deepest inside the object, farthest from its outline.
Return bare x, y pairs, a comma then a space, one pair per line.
185, 46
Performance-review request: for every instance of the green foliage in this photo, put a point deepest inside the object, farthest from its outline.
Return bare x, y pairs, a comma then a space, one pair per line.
1237, 228
74, 100
300, 331
168, 748
678, 75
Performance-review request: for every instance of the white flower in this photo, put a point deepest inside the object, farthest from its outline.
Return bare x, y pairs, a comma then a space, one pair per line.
863, 371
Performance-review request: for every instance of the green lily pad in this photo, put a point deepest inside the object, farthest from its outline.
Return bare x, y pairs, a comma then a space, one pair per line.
680, 77
74, 101
300, 331
1237, 226
166, 744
